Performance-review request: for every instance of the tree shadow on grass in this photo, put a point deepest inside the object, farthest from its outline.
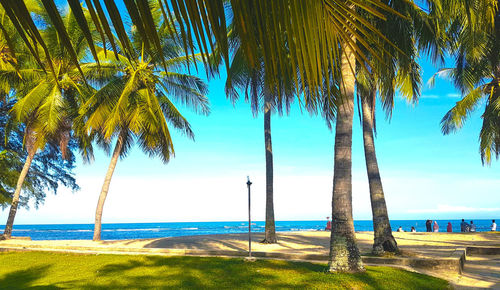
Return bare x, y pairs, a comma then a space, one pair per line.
200, 272
230, 273
23, 279
196, 273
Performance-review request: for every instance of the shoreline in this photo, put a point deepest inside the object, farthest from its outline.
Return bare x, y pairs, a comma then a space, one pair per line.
256, 221
124, 231
318, 240
261, 232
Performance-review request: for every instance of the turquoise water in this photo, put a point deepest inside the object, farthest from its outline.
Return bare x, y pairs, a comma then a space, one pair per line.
159, 230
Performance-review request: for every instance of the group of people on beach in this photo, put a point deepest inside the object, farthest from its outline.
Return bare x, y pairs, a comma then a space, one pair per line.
433, 227
464, 227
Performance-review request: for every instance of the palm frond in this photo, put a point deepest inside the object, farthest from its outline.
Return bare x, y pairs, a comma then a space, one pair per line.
455, 118
189, 90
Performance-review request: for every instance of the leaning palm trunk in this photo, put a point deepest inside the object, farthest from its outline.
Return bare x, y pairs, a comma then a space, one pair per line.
344, 253
105, 188
15, 199
270, 236
383, 239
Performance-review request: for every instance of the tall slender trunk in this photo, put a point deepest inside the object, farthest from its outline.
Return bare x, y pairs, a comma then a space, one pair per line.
344, 253
383, 239
15, 199
270, 237
105, 188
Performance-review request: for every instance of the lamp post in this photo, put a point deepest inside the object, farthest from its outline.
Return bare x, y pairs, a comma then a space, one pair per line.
249, 220
249, 258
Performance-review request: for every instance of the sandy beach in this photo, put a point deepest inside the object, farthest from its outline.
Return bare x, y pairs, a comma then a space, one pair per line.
307, 242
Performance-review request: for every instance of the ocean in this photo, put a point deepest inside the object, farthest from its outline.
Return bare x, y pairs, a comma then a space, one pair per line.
120, 231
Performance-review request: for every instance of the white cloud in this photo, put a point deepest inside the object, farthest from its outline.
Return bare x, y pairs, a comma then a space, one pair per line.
429, 97
453, 95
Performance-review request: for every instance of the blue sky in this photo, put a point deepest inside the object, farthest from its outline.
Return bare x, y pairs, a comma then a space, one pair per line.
425, 174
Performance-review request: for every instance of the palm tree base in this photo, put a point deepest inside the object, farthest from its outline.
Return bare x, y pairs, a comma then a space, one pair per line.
388, 244
269, 241
344, 256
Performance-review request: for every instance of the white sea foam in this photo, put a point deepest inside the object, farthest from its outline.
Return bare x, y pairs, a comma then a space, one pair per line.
135, 230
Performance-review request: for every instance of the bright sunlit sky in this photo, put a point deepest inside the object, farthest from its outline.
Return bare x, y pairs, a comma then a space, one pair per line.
425, 174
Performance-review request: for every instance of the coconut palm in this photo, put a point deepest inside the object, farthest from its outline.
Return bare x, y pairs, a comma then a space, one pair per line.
473, 29
344, 253
399, 71
252, 82
134, 103
47, 102
396, 70
47, 171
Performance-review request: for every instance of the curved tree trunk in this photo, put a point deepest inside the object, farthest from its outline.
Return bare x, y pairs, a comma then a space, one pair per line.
270, 236
15, 199
105, 188
383, 239
344, 253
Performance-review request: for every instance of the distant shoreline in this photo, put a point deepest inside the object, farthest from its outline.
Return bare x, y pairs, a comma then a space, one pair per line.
259, 221
124, 231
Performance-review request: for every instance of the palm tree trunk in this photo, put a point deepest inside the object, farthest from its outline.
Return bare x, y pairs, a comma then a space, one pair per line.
270, 236
105, 188
344, 253
383, 239
15, 199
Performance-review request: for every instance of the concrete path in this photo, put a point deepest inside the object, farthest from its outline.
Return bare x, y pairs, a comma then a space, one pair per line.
481, 271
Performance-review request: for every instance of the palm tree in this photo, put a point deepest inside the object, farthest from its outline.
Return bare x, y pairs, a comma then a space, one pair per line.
270, 230
399, 71
383, 239
252, 82
47, 171
473, 29
134, 104
48, 102
344, 253
396, 70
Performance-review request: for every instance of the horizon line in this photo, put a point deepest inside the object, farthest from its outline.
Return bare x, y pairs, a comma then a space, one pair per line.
243, 221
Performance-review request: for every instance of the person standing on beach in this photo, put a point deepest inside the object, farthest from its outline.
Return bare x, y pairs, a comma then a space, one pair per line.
328, 224
449, 228
463, 226
493, 226
472, 226
428, 225
436, 227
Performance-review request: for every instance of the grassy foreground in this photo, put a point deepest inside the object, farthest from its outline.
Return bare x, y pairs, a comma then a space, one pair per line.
56, 270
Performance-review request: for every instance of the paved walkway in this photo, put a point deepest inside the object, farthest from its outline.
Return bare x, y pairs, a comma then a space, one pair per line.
480, 271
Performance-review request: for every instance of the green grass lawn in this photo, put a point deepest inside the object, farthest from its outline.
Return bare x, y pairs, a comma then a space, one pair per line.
57, 270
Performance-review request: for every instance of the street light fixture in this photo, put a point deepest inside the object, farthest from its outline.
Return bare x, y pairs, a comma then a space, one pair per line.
249, 258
